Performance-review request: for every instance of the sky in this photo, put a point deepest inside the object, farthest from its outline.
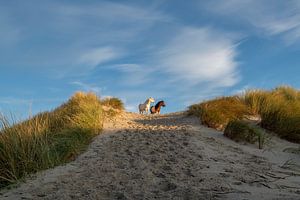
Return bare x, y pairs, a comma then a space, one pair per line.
181, 52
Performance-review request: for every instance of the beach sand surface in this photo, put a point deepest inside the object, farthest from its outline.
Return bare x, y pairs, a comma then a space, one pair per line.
168, 156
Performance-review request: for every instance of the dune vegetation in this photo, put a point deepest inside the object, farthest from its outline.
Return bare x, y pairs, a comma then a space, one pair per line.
49, 138
113, 102
219, 112
278, 110
243, 131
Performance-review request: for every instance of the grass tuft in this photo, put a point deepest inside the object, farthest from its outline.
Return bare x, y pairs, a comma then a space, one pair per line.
218, 112
48, 139
242, 131
278, 109
113, 102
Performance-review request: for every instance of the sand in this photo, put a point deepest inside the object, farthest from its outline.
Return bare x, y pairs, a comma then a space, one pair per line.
168, 157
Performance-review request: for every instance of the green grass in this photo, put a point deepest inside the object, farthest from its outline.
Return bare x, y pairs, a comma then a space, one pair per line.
48, 139
279, 110
242, 131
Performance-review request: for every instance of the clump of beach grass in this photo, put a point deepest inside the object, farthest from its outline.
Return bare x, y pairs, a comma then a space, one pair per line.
218, 112
113, 102
278, 110
243, 131
48, 139
280, 113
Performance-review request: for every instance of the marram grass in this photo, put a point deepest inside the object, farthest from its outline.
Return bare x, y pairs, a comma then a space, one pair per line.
219, 112
279, 110
48, 139
244, 131
113, 102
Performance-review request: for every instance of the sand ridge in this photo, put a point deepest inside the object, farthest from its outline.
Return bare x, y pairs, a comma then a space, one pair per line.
166, 157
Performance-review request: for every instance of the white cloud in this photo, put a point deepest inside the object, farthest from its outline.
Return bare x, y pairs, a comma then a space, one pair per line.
128, 67
98, 56
198, 55
267, 16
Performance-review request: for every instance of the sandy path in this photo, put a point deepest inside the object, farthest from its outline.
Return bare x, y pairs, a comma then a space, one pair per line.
167, 157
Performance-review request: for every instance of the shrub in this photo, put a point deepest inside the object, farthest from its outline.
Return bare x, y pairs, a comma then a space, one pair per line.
113, 102
49, 138
242, 131
218, 112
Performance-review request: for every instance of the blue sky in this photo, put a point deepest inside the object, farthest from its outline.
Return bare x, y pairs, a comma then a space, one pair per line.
179, 51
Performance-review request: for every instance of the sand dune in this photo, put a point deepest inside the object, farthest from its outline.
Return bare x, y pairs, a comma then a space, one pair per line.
168, 157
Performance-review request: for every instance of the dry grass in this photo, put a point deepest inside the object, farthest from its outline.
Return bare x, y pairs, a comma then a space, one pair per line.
255, 99
279, 110
113, 102
218, 112
49, 138
281, 113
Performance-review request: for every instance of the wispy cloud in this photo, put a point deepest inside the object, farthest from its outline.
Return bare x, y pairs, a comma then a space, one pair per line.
267, 16
198, 55
98, 56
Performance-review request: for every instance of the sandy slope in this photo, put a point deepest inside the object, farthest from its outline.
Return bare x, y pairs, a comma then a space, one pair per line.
168, 157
